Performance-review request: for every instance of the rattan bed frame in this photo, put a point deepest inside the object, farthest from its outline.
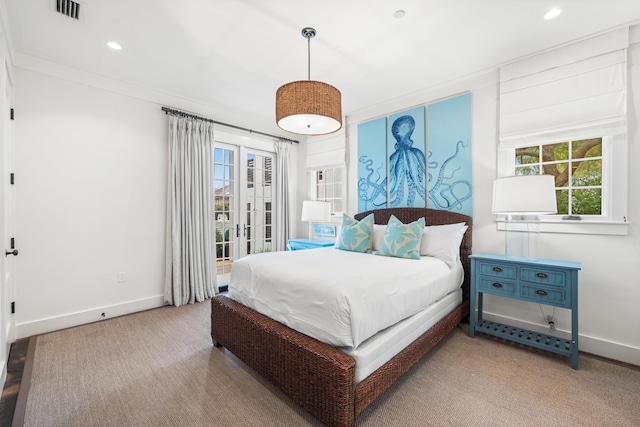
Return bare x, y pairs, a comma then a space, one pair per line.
315, 375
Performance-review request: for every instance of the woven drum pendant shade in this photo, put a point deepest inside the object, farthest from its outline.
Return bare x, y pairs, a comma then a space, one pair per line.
309, 107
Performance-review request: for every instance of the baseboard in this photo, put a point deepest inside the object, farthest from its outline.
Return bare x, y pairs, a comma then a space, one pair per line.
69, 320
587, 344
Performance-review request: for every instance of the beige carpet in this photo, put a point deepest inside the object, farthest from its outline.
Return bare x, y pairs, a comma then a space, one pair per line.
158, 368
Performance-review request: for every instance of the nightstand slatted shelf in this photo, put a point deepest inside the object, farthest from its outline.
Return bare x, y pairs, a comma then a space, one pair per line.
525, 336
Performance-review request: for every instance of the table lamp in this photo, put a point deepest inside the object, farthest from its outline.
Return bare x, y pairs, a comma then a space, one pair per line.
522, 199
315, 211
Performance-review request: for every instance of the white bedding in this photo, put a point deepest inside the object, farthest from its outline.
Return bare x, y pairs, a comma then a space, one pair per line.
340, 297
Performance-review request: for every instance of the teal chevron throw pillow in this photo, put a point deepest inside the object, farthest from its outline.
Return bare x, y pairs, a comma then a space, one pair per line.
402, 240
356, 235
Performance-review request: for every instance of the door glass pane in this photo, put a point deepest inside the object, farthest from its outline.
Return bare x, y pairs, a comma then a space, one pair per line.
223, 209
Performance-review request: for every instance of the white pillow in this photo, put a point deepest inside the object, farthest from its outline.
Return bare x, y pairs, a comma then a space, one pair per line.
378, 234
443, 242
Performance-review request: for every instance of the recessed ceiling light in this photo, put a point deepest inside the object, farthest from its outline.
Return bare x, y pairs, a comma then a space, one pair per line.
114, 45
553, 13
399, 14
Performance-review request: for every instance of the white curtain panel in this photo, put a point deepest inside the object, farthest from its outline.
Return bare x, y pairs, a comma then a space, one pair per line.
190, 252
572, 92
284, 223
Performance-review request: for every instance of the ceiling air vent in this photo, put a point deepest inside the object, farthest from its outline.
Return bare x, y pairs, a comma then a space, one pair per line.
68, 8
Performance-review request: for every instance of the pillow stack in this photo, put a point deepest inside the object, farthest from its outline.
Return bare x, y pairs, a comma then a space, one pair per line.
400, 240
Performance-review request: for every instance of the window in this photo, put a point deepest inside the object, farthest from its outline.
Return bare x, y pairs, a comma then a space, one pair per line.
591, 182
328, 186
578, 170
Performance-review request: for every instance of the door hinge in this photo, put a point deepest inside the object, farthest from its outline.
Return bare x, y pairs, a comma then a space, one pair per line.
12, 178
12, 114
13, 307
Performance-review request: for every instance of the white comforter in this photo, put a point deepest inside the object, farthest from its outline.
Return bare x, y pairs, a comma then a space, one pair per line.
339, 297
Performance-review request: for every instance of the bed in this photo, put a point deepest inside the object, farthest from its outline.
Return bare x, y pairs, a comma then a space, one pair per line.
320, 377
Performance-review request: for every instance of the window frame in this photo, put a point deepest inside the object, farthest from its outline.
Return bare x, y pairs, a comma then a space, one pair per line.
570, 187
614, 217
312, 178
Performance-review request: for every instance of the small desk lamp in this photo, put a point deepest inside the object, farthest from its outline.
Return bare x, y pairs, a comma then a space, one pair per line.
315, 211
522, 199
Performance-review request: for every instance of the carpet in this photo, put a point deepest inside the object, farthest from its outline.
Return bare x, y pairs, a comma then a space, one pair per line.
159, 368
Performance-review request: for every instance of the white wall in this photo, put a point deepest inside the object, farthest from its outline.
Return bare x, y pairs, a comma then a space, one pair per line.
609, 288
91, 176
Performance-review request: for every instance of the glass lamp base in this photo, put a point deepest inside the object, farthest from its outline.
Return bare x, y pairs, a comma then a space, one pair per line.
521, 238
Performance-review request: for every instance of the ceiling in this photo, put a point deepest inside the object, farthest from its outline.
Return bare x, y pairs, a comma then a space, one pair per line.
234, 54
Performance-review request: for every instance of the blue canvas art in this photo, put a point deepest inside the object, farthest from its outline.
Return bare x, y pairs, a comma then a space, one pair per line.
406, 146
372, 165
449, 155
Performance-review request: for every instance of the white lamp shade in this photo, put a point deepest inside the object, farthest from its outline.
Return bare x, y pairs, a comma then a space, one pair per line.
316, 210
524, 195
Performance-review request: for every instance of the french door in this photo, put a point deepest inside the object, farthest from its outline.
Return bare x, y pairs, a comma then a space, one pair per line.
244, 202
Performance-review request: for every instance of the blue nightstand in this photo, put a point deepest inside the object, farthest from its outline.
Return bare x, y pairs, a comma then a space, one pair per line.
544, 281
301, 244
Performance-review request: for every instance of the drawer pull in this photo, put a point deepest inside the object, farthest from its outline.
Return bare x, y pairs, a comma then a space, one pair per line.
542, 275
541, 292
496, 285
497, 269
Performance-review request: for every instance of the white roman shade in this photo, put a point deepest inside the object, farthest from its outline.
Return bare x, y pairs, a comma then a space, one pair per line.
325, 152
572, 92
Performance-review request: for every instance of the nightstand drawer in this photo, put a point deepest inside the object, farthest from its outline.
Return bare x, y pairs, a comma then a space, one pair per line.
543, 276
495, 269
545, 295
496, 287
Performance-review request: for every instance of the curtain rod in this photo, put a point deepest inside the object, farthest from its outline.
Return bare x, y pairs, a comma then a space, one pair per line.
168, 110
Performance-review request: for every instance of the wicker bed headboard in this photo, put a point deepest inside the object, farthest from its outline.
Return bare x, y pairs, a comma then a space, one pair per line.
432, 217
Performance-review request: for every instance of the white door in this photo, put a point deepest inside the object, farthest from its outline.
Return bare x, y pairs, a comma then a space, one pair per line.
244, 201
258, 196
7, 198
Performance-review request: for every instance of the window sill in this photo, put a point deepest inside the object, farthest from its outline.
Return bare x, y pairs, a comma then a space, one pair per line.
613, 228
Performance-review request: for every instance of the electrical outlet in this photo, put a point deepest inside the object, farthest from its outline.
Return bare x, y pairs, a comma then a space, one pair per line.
552, 324
122, 277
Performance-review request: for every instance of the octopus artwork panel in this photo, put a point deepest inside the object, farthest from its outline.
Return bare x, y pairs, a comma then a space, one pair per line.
372, 165
406, 146
449, 155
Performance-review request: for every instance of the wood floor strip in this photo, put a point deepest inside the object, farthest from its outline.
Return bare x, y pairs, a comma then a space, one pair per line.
23, 393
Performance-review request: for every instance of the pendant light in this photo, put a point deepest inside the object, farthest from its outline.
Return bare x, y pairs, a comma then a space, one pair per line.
309, 107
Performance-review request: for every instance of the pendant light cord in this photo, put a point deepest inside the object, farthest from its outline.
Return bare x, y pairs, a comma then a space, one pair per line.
308, 57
